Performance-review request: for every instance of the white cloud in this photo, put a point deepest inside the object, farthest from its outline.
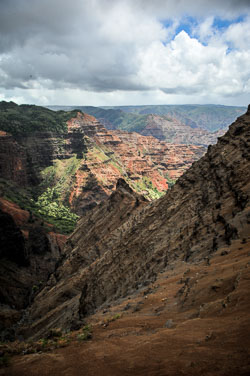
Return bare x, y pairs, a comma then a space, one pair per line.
205, 30
238, 35
187, 66
119, 52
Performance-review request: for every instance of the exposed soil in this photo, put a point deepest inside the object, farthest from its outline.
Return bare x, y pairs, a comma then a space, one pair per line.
193, 320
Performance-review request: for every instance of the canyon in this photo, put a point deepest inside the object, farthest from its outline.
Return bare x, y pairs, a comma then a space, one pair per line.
83, 160
160, 287
54, 165
205, 210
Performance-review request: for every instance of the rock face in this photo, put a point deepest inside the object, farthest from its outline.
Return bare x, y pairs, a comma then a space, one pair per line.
144, 162
12, 160
11, 240
99, 224
172, 130
207, 208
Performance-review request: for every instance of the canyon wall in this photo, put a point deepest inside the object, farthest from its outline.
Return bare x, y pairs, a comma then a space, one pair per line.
84, 161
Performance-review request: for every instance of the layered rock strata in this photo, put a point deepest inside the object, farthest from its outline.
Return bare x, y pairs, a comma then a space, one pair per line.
85, 162
144, 162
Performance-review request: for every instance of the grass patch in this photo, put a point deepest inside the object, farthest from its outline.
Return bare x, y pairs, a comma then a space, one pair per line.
86, 333
146, 185
112, 318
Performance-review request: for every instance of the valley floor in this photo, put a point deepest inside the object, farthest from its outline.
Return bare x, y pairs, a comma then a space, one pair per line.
193, 320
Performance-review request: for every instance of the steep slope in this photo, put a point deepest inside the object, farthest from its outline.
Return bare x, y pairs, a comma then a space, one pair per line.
193, 320
99, 224
207, 209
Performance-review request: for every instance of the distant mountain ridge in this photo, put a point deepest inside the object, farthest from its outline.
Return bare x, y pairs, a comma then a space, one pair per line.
210, 117
186, 124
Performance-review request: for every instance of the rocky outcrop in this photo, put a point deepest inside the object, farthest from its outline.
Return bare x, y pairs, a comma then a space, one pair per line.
207, 208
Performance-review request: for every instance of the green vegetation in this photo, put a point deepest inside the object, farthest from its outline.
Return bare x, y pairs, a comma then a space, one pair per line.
60, 176
86, 333
115, 118
54, 340
110, 319
48, 206
171, 182
25, 119
145, 185
116, 317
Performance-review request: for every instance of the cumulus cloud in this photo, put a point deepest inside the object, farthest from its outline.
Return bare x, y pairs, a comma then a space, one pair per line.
56, 51
187, 66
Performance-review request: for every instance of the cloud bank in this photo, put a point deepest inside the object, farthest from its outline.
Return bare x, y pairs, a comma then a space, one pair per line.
110, 52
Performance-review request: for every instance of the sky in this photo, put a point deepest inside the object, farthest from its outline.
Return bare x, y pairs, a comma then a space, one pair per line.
125, 52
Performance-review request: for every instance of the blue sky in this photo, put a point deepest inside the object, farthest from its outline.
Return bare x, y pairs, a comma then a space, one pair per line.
121, 52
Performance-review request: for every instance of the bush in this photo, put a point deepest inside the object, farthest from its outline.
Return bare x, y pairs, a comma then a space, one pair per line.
86, 333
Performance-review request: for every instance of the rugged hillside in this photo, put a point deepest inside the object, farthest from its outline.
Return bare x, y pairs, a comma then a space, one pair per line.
172, 130
145, 163
193, 320
71, 160
206, 210
52, 164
